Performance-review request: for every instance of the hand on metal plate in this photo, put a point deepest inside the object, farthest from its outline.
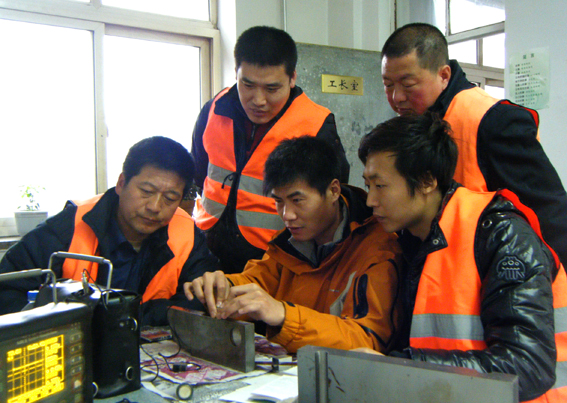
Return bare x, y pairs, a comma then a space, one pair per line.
252, 300
366, 350
212, 289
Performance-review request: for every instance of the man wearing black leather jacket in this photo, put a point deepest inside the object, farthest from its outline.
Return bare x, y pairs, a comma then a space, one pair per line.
476, 288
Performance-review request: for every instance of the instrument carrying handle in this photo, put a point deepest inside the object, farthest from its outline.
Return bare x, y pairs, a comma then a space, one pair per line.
17, 275
88, 258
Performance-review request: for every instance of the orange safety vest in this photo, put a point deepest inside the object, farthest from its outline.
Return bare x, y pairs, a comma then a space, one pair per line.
464, 114
256, 214
164, 284
447, 308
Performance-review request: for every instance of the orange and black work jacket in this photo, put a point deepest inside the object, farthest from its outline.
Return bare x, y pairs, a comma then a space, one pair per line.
169, 257
345, 300
486, 293
238, 219
499, 149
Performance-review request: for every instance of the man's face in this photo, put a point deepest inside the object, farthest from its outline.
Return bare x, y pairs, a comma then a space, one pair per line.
410, 88
306, 213
263, 91
147, 202
390, 199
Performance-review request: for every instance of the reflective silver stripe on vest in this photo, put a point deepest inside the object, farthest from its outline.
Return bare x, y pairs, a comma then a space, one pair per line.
560, 317
560, 375
445, 326
247, 183
245, 218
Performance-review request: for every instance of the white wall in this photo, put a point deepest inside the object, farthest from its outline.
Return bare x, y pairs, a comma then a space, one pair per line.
366, 24
356, 24
543, 23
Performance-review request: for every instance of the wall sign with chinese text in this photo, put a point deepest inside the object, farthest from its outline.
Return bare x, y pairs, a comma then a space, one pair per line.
342, 84
529, 78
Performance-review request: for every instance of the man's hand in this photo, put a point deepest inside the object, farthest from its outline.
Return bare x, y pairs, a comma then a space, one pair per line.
212, 289
366, 350
252, 300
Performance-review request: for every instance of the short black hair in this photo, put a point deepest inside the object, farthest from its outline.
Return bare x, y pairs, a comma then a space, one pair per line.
162, 153
427, 40
423, 147
305, 158
266, 46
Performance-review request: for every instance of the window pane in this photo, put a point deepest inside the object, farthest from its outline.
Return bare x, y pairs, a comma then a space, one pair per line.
470, 14
493, 51
496, 92
194, 9
47, 104
151, 88
464, 52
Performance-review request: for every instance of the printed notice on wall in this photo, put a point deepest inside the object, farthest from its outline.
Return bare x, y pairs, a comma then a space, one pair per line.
529, 78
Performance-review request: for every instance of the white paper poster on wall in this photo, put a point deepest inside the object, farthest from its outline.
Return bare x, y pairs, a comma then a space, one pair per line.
529, 78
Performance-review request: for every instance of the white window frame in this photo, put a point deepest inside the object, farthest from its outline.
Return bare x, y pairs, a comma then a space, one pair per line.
104, 20
477, 72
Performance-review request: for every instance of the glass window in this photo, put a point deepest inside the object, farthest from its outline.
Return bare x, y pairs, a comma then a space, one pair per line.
194, 9
47, 104
496, 92
464, 52
470, 14
493, 51
151, 88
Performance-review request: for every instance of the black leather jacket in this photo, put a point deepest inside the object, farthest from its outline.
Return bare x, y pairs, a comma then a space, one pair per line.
517, 315
510, 157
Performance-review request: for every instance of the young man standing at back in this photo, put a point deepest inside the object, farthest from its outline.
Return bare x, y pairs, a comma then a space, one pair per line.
497, 140
235, 133
330, 278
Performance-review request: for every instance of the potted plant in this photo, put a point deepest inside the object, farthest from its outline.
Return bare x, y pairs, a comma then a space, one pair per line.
29, 215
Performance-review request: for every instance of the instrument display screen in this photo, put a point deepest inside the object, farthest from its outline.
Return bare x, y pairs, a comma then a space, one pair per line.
45, 356
36, 371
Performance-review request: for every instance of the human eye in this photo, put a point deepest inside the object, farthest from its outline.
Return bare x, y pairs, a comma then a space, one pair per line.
146, 191
171, 198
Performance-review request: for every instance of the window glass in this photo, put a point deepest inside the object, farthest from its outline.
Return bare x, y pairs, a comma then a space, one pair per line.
470, 14
463, 52
47, 104
194, 9
496, 92
151, 88
493, 51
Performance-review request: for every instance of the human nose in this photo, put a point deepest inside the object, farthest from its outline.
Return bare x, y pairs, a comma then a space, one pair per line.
154, 203
371, 199
398, 94
259, 98
288, 214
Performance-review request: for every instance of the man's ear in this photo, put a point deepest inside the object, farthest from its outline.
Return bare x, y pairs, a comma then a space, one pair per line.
445, 74
334, 190
292, 79
120, 184
428, 184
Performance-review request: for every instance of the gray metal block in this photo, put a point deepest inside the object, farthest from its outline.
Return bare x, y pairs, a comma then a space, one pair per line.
329, 375
229, 343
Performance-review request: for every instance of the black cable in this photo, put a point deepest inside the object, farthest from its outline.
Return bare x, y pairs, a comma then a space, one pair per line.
153, 359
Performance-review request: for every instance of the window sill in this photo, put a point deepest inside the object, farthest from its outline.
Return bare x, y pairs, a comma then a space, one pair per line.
7, 241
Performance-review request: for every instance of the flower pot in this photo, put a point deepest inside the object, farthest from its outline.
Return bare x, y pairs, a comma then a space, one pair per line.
28, 220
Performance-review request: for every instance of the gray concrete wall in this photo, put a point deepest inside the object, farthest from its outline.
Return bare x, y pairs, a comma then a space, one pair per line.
355, 115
